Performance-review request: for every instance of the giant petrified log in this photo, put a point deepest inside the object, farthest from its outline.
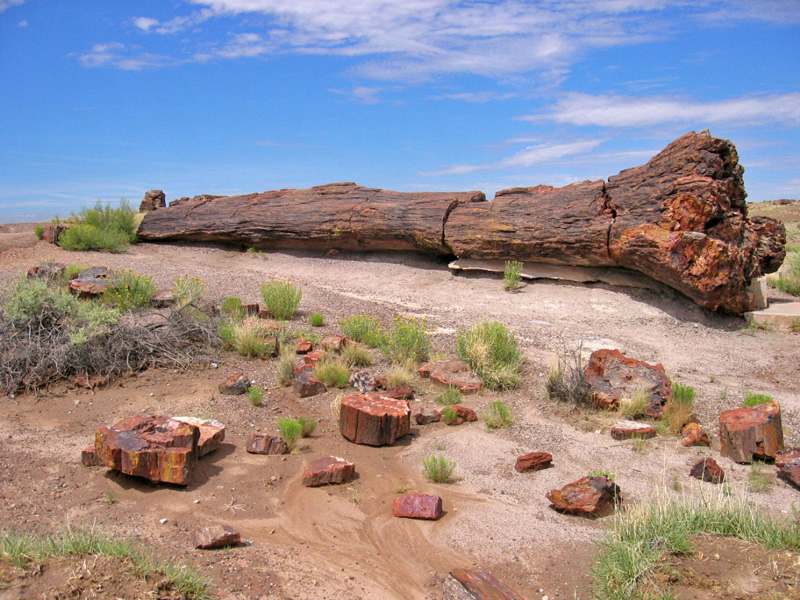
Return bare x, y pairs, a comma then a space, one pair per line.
680, 219
337, 215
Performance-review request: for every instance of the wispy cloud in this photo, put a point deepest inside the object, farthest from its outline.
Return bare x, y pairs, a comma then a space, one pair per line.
629, 111
145, 23
6, 4
122, 57
476, 97
362, 94
22, 23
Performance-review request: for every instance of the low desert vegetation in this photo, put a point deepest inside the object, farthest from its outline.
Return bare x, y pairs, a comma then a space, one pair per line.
678, 411
290, 431
753, 399
492, 351
788, 281
129, 291
249, 339
512, 275
281, 299
497, 415
400, 374
407, 341
645, 533
448, 415
188, 291
255, 394
565, 381
38, 232
357, 355
449, 396
636, 406
30, 552
333, 373
101, 228
232, 309
286, 362
307, 425
438, 469
316, 320
365, 329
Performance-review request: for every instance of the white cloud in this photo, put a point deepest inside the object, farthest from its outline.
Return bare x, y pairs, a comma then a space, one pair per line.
6, 4
122, 57
629, 111
102, 54
476, 97
145, 23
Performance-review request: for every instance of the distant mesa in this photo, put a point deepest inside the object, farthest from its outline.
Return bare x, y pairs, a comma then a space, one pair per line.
681, 220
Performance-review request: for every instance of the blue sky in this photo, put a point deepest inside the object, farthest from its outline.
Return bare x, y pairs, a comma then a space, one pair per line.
105, 99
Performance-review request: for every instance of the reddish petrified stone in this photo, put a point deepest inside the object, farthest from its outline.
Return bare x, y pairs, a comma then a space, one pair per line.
751, 432
327, 470
589, 496
333, 343
783, 457
789, 471
153, 200
693, 434
212, 433
463, 584
452, 372
89, 457
463, 414
162, 299
312, 358
423, 417
418, 506
262, 443
156, 448
707, 469
216, 536
400, 392
625, 430
535, 461
235, 385
91, 282
613, 376
252, 309
374, 419
47, 270
305, 385
303, 346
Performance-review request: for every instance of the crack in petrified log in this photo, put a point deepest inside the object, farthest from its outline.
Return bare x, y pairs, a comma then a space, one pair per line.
680, 219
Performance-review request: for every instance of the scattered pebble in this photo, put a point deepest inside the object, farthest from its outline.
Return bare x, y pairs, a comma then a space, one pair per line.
162, 521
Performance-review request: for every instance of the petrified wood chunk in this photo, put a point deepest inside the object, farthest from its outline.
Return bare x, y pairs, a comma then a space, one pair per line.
785, 456
589, 496
216, 536
337, 215
424, 417
327, 470
707, 469
463, 584
156, 448
89, 457
535, 461
625, 430
418, 506
153, 200
693, 434
751, 432
212, 433
305, 385
47, 270
235, 385
452, 372
374, 419
613, 376
262, 443
91, 282
790, 471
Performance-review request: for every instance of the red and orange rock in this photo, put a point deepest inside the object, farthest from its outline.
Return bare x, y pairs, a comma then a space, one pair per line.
374, 419
751, 432
327, 470
418, 506
534, 461
626, 430
693, 434
455, 373
613, 376
589, 496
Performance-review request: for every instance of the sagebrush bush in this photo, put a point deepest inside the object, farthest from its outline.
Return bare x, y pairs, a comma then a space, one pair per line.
365, 329
187, 290
129, 291
232, 309
497, 415
101, 228
290, 430
437, 468
333, 373
492, 351
281, 299
408, 341
512, 275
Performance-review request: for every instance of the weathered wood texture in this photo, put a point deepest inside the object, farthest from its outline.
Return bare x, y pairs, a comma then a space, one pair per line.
463, 584
374, 419
750, 432
337, 215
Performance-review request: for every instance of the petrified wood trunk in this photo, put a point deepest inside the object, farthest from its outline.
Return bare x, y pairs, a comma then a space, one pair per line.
681, 219
337, 215
463, 584
374, 419
751, 432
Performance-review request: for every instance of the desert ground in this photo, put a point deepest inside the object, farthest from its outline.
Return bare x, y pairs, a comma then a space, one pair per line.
342, 541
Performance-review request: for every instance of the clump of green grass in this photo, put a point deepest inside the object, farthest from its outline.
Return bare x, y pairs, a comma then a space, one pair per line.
188, 290
683, 394
648, 531
249, 340
408, 341
232, 309
365, 329
281, 299
565, 381
101, 228
400, 374
678, 411
72, 271
512, 275
601, 473
333, 373
497, 415
39, 232
255, 394
437, 468
307, 425
492, 351
129, 291
752, 399
290, 430
286, 361
636, 406
24, 550
448, 415
789, 281
449, 396
357, 355
316, 320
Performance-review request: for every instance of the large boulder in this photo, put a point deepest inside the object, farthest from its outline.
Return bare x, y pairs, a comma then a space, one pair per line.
613, 376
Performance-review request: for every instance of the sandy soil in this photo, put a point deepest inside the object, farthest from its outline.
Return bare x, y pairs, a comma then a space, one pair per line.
342, 540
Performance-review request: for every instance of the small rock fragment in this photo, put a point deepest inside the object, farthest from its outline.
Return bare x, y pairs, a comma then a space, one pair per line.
262, 443
589, 496
535, 461
707, 469
751, 432
306, 385
418, 506
303, 346
363, 381
452, 373
235, 385
625, 430
216, 536
327, 470
424, 417
694, 435
783, 457
89, 457
463, 584
212, 433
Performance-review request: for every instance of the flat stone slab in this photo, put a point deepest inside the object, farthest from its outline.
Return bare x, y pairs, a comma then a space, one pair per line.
455, 373
91, 282
463, 584
212, 433
216, 536
327, 470
626, 430
784, 316
613, 376
418, 506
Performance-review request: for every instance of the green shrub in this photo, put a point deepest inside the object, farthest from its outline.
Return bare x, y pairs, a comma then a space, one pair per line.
683, 394
281, 299
255, 394
600, 473
101, 228
789, 281
129, 291
512, 275
438, 469
333, 373
316, 320
450, 395
497, 415
286, 362
39, 231
249, 340
356, 355
232, 309
751, 399
400, 374
227, 334
448, 415
307, 425
365, 329
187, 290
72, 271
408, 340
492, 350
290, 430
